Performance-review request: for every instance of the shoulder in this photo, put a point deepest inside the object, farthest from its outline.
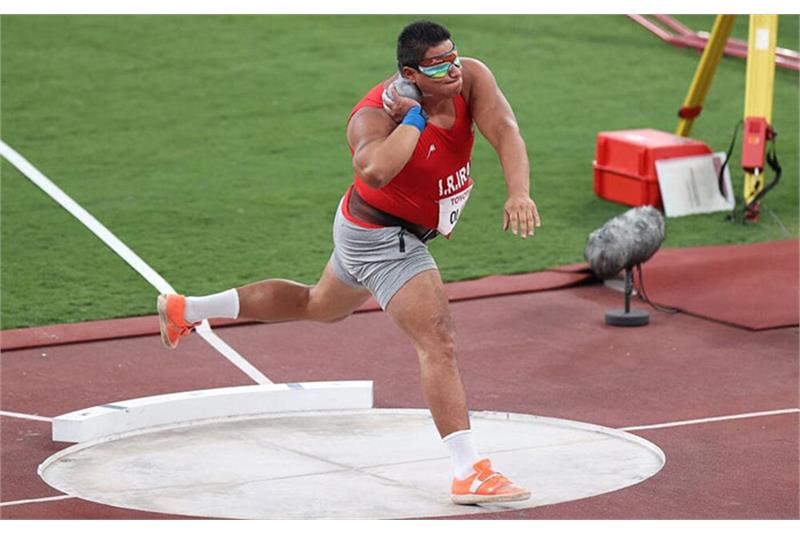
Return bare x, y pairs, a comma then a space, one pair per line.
368, 119
368, 124
474, 66
477, 77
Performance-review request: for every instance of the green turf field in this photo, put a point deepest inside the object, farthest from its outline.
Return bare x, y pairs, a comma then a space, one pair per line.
214, 146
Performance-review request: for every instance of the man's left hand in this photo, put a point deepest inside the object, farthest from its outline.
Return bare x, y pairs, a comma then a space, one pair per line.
521, 215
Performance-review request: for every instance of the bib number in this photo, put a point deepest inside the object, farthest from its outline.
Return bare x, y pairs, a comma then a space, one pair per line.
450, 209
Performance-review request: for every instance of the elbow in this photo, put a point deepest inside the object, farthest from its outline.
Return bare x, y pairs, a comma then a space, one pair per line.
508, 130
505, 135
371, 174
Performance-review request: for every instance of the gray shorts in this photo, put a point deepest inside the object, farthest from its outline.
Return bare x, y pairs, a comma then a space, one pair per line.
372, 258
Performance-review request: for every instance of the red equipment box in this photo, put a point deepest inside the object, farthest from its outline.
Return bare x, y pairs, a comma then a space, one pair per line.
625, 163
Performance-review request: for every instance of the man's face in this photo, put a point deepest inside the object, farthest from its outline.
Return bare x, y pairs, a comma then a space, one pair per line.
442, 58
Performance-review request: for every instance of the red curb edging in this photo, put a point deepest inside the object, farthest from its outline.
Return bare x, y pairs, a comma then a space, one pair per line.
63, 334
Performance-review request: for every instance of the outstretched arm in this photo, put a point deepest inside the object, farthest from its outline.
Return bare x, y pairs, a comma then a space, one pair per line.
495, 120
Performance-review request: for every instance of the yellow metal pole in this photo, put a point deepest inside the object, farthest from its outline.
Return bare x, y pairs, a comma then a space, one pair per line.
758, 94
704, 74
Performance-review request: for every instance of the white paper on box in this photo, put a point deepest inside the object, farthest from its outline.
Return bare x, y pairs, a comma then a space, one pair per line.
691, 185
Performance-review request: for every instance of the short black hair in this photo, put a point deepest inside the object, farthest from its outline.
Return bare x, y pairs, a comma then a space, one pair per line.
415, 39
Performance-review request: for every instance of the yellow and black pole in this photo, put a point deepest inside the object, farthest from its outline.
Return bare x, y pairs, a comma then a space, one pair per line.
758, 105
704, 73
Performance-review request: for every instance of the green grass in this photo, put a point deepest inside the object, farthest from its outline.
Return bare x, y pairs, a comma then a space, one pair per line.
214, 146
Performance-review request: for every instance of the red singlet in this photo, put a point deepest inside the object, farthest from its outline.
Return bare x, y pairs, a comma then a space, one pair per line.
438, 169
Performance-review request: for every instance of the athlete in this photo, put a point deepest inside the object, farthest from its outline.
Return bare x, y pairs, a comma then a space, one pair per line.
412, 179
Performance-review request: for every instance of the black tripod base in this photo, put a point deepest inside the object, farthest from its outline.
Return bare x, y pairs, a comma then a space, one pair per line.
630, 318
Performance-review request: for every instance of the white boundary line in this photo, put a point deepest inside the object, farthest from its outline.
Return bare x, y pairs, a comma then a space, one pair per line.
204, 331
711, 419
122, 250
624, 429
26, 416
42, 499
85, 217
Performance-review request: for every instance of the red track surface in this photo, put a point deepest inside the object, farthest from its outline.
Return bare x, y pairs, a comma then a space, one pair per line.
546, 353
754, 286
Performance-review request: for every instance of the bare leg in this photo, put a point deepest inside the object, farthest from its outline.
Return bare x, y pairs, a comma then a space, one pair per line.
283, 300
421, 310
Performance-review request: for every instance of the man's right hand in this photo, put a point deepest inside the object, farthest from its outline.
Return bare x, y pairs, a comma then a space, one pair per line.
395, 105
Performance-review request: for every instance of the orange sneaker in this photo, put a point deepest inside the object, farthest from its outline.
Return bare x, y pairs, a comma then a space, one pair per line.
170, 319
486, 486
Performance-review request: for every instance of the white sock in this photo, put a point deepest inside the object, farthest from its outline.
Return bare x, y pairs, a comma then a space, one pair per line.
462, 453
225, 304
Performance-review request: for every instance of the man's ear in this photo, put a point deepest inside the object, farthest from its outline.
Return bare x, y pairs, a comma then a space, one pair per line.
408, 73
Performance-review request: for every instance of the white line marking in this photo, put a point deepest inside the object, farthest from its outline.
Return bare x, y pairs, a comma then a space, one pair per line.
122, 250
711, 419
85, 217
26, 416
32, 501
204, 331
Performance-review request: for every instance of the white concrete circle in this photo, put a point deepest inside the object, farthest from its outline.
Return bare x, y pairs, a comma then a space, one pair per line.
370, 464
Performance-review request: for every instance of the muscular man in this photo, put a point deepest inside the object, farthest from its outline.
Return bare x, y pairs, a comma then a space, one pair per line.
412, 180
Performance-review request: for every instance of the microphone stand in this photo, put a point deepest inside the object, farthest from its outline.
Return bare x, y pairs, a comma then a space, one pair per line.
627, 316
